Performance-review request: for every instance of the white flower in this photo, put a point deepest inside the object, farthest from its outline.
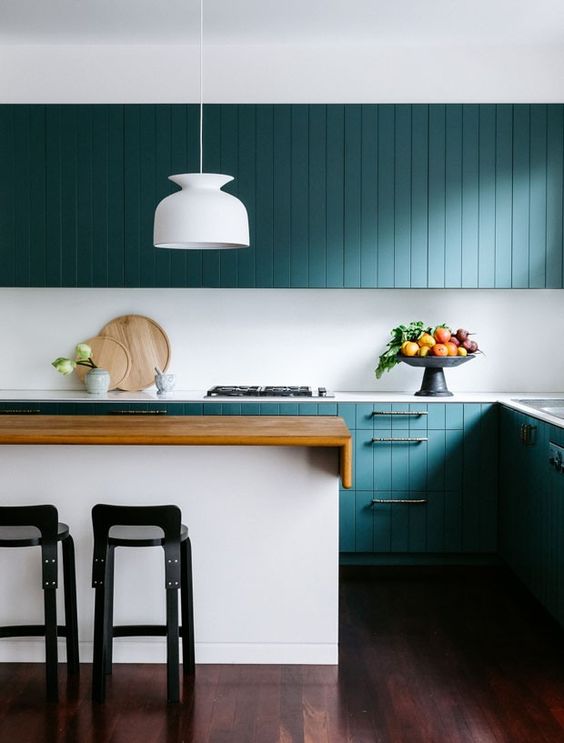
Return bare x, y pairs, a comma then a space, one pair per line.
65, 366
83, 352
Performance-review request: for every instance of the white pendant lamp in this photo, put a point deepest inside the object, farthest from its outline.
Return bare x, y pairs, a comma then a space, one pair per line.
201, 216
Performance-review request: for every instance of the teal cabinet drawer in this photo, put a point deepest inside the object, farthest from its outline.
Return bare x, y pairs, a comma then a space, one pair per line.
365, 415
408, 522
391, 459
347, 411
395, 416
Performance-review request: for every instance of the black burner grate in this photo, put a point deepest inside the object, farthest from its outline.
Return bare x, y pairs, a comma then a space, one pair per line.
256, 391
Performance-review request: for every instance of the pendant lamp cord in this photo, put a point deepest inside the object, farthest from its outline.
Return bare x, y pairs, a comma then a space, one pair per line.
201, 86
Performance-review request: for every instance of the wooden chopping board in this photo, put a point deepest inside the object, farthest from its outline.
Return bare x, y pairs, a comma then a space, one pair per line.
148, 347
108, 353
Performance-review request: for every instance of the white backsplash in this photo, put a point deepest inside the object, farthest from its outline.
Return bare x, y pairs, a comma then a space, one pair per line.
291, 336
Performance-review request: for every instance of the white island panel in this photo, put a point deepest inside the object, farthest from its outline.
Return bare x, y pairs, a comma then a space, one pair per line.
264, 528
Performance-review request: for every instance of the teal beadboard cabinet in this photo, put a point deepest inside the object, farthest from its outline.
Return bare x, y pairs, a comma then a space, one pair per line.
425, 480
449, 461
532, 508
339, 196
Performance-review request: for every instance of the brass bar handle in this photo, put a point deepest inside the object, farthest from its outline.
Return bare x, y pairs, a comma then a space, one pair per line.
528, 434
530, 437
399, 412
393, 501
400, 440
28, 411
138, 412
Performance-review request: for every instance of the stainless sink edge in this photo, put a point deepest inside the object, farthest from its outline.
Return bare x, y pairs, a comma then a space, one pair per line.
551, 406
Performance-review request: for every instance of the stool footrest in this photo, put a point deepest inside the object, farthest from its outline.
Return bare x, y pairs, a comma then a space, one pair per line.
30, 630
139, 630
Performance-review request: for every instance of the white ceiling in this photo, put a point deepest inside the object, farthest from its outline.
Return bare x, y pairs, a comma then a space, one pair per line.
283, 21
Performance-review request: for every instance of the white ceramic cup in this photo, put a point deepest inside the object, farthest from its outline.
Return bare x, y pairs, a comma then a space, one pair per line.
165, 383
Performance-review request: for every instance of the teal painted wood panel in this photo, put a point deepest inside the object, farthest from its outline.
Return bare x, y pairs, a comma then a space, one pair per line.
282, 215
369, 197
532, 509
454, 196
352, 195
419, 238
415, 528
364, 461
317, 197
436, 460
386, 195
503, 196
402, 196
335, 179
337, 195
436, 242
347, 521
471, 478
470, 196
554, 193
521, 195
265, 207
538, 198
455, 468
299, 246
347, 411
8, 159
486, 196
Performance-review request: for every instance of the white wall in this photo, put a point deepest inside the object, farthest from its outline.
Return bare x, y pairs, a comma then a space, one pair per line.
283, 73
291, 336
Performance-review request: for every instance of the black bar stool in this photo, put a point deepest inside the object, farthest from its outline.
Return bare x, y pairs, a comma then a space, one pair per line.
142, 526
31, 526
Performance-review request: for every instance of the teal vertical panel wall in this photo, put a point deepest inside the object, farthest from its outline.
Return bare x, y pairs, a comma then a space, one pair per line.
351, 196
436, 241
486, 194
419, 237
554, 192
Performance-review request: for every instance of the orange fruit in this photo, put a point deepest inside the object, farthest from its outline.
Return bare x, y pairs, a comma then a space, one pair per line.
426, 340
442, 335
409, 348
452, 348
439, 349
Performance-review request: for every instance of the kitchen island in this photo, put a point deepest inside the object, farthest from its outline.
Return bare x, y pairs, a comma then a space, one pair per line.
262, 511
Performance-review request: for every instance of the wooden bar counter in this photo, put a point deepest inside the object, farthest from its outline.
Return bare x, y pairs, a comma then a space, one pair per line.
329, 431
260, 497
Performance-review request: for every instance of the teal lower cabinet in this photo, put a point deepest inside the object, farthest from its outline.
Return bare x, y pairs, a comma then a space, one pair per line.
424, 474
425, 483
532, 507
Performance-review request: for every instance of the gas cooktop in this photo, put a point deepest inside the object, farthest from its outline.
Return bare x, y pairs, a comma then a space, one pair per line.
269, 391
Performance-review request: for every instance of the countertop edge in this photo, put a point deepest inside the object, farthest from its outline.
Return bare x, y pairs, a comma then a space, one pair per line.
106, 430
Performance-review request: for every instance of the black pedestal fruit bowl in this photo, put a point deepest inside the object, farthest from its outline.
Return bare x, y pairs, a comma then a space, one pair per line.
434, 382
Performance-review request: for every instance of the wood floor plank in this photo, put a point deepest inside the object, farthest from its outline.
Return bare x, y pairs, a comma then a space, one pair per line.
425, 657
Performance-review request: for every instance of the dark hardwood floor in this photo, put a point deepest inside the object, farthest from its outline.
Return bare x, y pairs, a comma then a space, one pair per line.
426, 657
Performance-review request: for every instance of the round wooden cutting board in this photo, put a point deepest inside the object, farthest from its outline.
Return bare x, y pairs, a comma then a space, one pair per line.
148, 347
108, 353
